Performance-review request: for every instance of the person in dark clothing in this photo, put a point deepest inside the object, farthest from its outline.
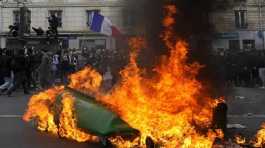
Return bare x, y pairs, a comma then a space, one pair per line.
6, 72
1, 73
246, 76
255, 76
34, 62
30, 67
65, 69
220, 117
28, 71
45, 72
18, 65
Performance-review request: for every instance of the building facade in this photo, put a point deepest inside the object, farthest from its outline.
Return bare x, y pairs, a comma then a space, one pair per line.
73, 17
238, 25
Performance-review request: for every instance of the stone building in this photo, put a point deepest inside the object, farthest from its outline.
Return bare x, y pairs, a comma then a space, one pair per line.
74, 17
239, 25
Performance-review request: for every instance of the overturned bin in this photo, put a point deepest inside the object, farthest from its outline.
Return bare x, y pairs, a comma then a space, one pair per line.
71, 114
97, 119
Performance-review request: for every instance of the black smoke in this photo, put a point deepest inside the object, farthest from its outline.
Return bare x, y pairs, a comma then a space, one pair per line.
192, 25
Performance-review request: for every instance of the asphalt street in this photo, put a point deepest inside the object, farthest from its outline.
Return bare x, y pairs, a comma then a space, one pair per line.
245, 107
15, 133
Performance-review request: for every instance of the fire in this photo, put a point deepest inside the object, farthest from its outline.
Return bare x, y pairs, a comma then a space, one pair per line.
260, 137
39, 108
240, 140
86, 79
258, 141
42, 107
169, 106
165, 107
67, 125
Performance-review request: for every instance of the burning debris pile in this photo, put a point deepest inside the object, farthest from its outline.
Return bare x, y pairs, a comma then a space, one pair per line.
169, 107
258, 141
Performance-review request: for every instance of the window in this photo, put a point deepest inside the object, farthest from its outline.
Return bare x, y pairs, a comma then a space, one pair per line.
16, 16
28, 16
128, 17
65, 43
248, 45
23, 22
89, 17
58, 14
26, 21
234, 44
241, 18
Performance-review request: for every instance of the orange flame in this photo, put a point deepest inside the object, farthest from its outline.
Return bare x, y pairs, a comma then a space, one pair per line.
86, 79
169, 107
260, 137
67, 126
43, 108
240, 140
39, 107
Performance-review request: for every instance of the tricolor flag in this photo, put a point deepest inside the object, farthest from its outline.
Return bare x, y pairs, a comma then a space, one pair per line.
103, 25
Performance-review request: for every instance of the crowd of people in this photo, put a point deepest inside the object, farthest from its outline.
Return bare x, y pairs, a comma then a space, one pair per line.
32, 69
242, 69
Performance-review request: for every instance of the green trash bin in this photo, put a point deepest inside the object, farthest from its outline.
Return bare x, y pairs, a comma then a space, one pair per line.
97, 119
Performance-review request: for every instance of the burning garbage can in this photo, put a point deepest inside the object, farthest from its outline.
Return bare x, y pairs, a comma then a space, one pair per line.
97, 119
71, 114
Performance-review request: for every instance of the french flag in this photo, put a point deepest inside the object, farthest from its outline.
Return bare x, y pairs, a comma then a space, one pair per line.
103, 25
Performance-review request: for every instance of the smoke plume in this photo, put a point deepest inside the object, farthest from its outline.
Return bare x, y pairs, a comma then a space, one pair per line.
192, 25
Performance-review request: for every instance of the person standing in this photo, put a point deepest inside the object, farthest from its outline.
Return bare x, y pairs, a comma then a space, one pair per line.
28, 67
107, 80
1, 67
55, 66
220, 117
18, 65
262, 69
65, 68
45, 70
75, 62
6, 72
32, 66
262, 76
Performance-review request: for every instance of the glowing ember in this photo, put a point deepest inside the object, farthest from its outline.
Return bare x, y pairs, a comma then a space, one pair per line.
260, 137
168, 107
240, 140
